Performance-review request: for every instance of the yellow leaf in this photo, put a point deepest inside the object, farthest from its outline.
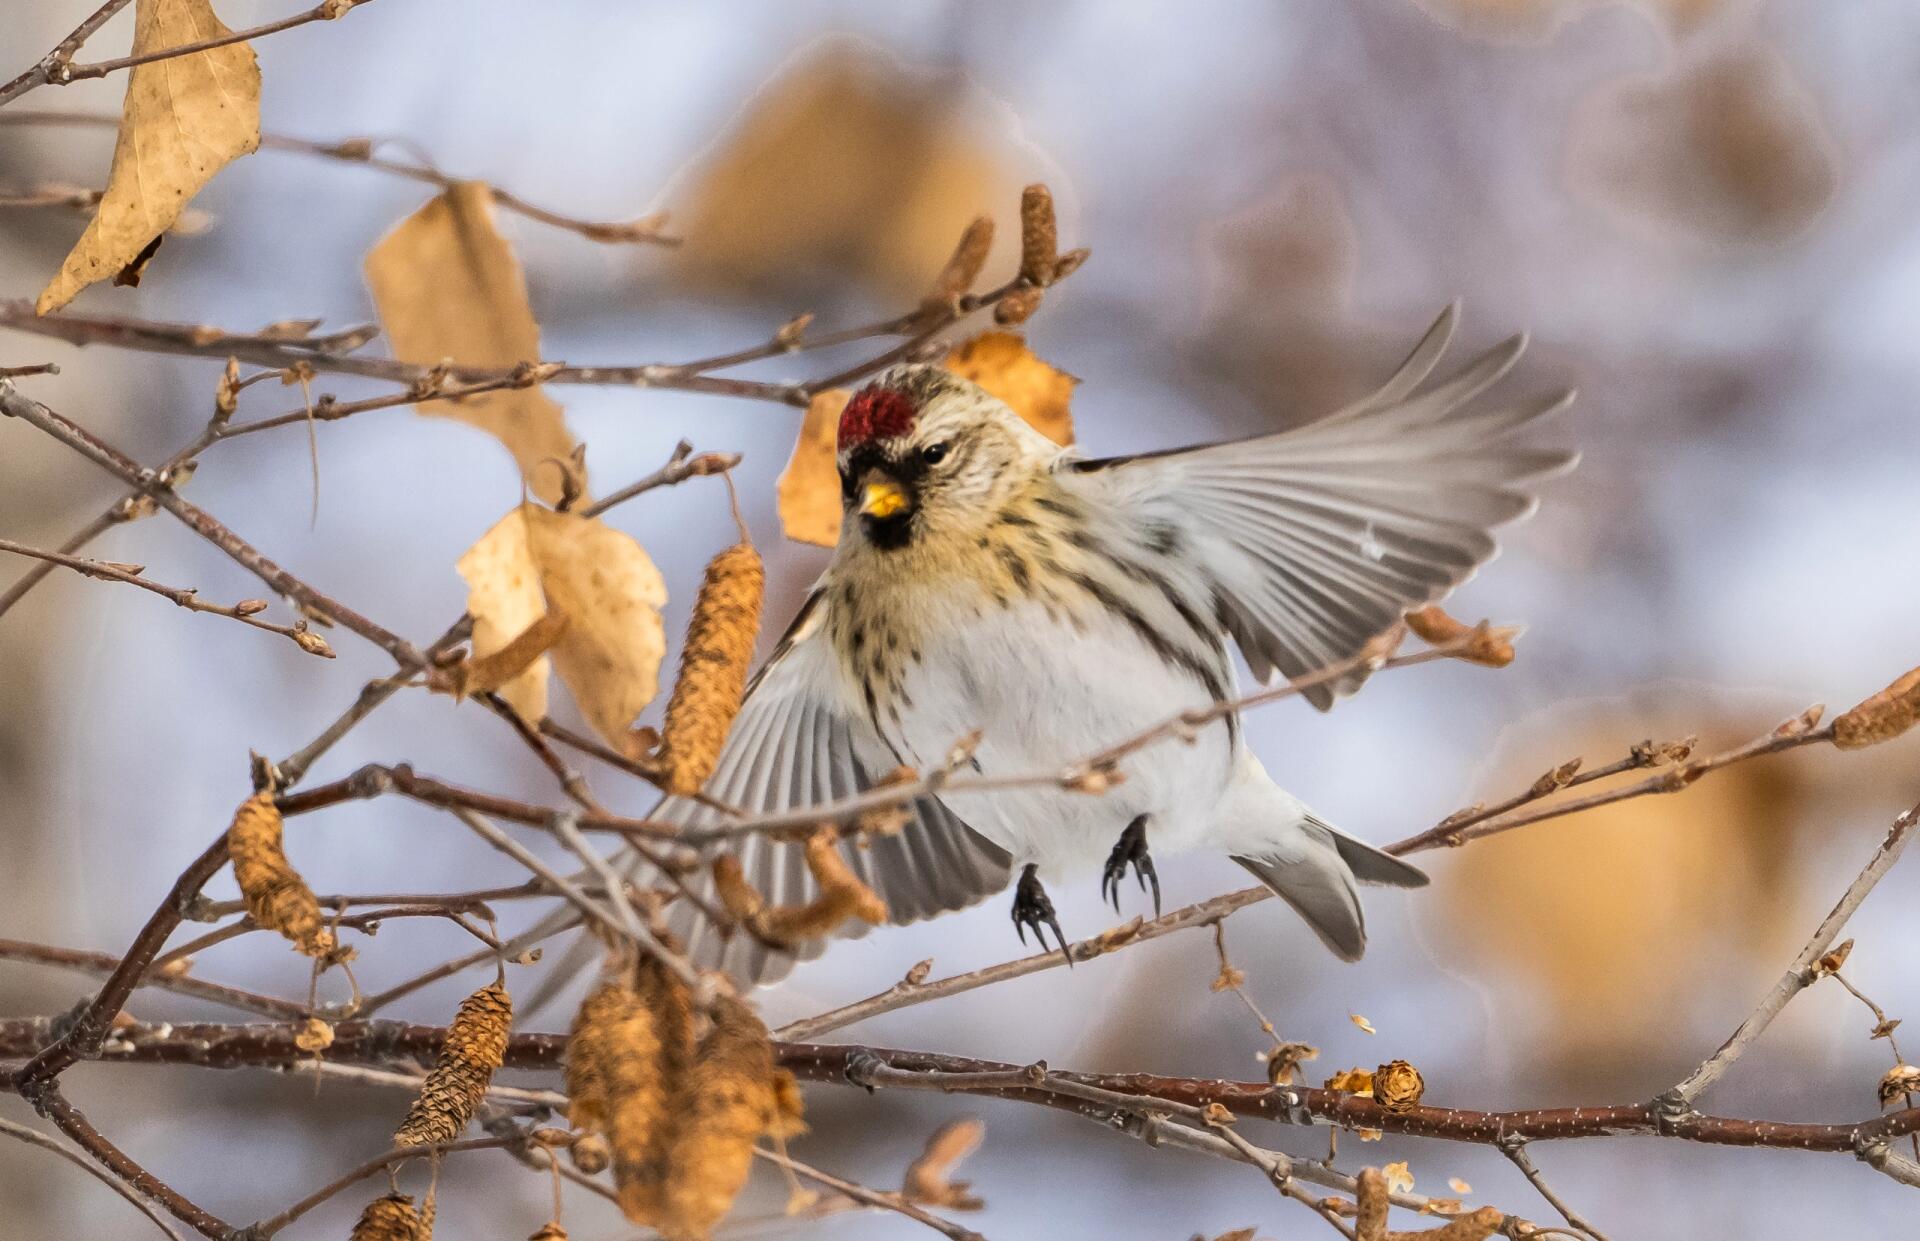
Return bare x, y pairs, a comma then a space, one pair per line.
998, 361
184, 119
1001, 363
505, 599
447, 285
810, 486
606, 584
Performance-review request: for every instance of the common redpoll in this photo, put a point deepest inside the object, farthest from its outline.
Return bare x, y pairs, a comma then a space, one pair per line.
988, 581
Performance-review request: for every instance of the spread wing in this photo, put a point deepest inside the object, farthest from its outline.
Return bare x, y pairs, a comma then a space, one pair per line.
1318, 539
793, 746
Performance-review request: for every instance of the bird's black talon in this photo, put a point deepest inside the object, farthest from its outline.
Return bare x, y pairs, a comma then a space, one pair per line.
1032, 908
1130, 850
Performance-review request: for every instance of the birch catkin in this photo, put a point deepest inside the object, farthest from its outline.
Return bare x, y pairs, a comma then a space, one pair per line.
713, 668
277, 897
476, 1046
730, 1099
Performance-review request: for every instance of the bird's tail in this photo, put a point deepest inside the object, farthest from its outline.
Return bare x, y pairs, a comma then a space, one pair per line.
1319, 882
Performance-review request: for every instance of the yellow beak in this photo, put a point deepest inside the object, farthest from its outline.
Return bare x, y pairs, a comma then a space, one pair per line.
882, 499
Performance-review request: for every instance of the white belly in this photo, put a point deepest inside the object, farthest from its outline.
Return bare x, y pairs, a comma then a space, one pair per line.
1043, 695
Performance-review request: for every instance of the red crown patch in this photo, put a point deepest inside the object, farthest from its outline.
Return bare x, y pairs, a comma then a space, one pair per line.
876, 413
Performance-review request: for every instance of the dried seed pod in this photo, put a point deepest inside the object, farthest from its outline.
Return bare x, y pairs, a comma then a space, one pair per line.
491, 671
1039, 236
476, 1046
277, 897
1882, 717
713, 668
1473, 1226
969, 256
1397, 1086
1900, 1080
727, 1101
391, 1218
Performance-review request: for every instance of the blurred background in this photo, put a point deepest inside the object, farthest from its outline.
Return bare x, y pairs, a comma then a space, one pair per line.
1701, 209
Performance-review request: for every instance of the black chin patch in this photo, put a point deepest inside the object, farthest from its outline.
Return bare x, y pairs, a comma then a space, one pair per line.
888, 533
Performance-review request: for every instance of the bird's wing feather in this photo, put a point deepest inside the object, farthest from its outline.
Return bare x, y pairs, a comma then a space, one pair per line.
1318, 539
792, 746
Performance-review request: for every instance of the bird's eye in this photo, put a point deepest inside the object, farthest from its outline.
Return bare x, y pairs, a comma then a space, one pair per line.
934, 454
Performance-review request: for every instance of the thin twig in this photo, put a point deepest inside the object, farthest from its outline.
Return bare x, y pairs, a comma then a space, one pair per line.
1799, 974
325, 11
1517, 1152
871, 1197
61, 56
34, 1137
244, 612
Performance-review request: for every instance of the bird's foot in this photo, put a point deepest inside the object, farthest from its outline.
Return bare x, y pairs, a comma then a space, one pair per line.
1130, 850
1032, 908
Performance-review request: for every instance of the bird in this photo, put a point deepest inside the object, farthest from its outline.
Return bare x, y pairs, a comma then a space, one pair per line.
991, 584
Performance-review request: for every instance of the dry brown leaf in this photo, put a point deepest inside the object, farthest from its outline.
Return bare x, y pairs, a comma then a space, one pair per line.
535, 560
612, 594
929, 1177
877, 167
505, 600
1352, 1081
1001, 363
1731, 148
810, 485
447, 285
184, 119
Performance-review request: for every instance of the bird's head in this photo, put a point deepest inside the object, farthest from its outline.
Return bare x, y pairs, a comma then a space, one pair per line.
923, 451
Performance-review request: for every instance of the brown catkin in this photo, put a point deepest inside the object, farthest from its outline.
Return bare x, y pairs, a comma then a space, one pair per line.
1370, 1200
969, 256
391, 1218
1039, 237
713, 668
728, 1100
277, 897
476, 1046
631, 1043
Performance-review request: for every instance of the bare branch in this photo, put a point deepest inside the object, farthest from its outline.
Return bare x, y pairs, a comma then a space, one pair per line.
34, 1137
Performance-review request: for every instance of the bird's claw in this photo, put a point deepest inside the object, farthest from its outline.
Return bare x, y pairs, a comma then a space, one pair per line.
1032, 908
1130, 850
